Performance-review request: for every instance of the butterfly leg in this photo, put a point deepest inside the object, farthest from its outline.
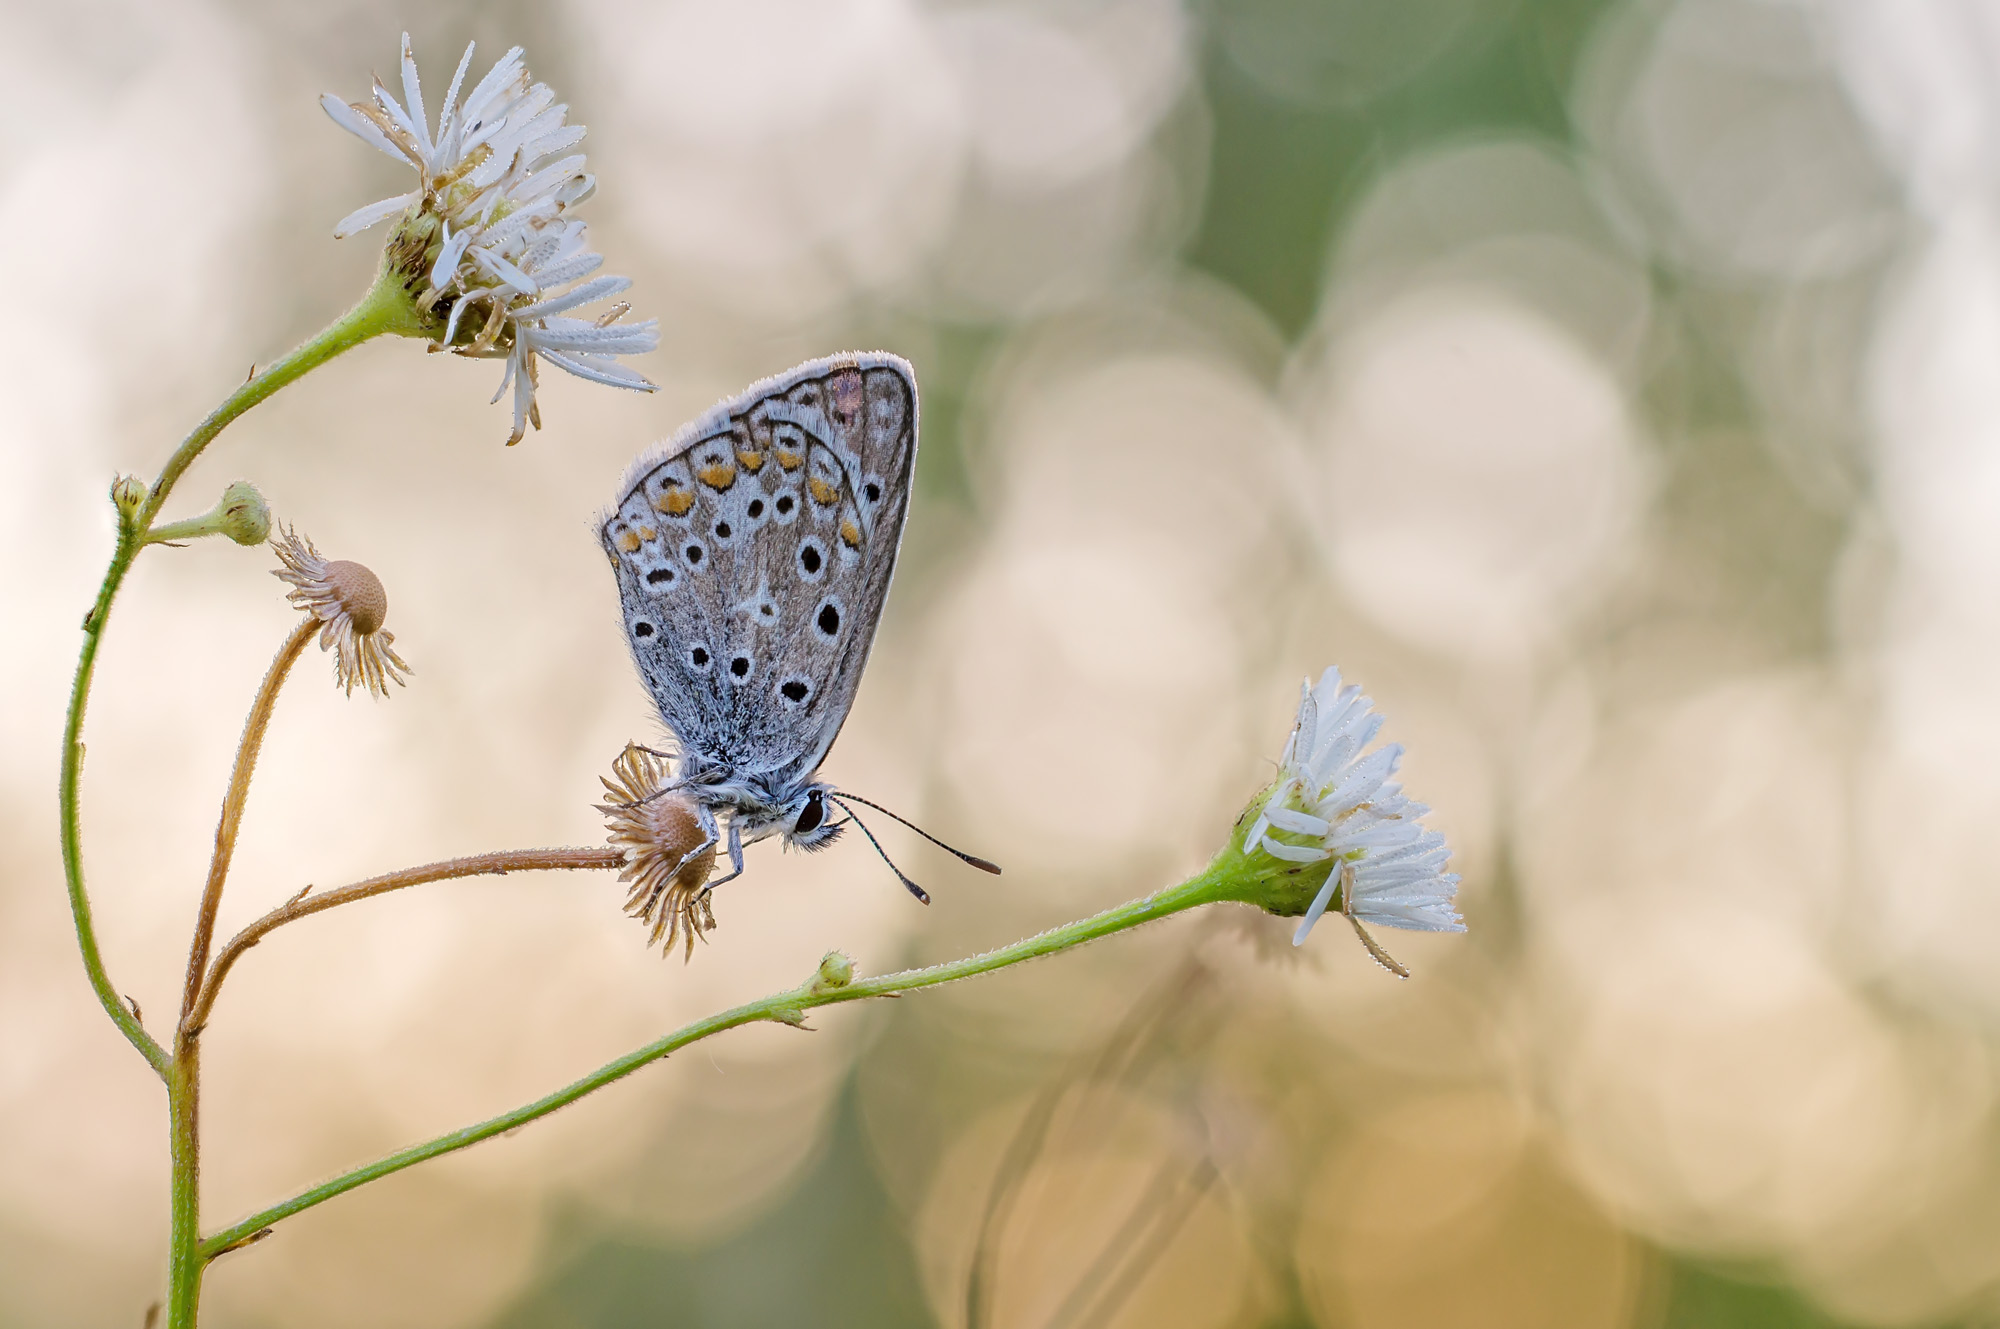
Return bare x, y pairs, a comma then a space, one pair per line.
708, 838
735, 856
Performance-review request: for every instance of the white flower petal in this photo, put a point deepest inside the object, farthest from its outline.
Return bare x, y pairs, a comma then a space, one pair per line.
449, 255
413, 97
608, 372
1360, 781
1316, 909
618, 339
582, 295
524, 403
506, 379
362, 218
394, 110
547, 145
359, 125
549, 179
494, 86
503, 270
1293, 853
1306, 731
1302, 823
446, 144
567, 270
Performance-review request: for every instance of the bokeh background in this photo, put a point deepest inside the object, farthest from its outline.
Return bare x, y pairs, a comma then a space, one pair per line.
1611, 386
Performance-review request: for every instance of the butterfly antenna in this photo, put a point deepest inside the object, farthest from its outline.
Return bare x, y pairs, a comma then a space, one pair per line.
975, 860
912, 887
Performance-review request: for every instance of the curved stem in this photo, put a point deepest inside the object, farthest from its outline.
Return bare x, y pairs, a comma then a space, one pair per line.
785, 1008
384, 309
473, 865
254, 726
72, 834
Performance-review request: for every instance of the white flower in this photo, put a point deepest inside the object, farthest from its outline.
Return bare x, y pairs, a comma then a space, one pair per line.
486, 235
1334, 801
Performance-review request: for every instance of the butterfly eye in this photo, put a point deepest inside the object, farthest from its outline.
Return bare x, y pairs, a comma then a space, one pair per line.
814, 814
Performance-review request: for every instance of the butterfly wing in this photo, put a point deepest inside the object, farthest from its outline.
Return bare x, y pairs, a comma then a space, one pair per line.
754, 551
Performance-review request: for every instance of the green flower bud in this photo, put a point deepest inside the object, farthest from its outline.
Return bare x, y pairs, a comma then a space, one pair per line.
240, 514
246, 518
128, 495
836, 970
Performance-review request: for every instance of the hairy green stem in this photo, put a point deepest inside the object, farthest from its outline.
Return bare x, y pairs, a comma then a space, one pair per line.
384, 309
784, 1008
185, 1257
126, 1019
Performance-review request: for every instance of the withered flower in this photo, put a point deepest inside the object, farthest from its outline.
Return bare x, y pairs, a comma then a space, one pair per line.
349, 601
669, 849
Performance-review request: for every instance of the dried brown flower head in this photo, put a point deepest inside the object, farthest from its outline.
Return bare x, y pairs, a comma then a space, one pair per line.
669, 849
349, 601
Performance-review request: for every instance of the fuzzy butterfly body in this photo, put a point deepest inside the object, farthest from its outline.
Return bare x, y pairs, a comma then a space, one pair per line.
753, 553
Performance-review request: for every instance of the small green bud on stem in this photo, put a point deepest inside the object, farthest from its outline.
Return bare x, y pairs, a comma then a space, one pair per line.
246, 518
836, 970
128, 495
241, 514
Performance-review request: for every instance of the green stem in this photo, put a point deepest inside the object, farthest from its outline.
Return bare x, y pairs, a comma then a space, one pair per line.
185, 1256
783, 1007
384, 309
127, 1020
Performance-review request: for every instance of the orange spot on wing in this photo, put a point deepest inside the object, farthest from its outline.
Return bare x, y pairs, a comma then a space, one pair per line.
629, 541
824, 494
719, 476
675, 501
850, 534
790, 460
753, 462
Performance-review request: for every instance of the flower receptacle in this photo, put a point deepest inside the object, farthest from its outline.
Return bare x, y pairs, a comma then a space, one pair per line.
1246, 873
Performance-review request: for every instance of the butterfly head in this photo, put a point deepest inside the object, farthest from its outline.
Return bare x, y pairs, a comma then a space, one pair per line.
809, 822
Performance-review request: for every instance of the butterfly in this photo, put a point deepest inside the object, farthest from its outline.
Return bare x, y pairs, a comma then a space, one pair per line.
753, 552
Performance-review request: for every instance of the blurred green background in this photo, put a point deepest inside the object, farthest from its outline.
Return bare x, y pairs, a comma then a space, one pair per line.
1611, 387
